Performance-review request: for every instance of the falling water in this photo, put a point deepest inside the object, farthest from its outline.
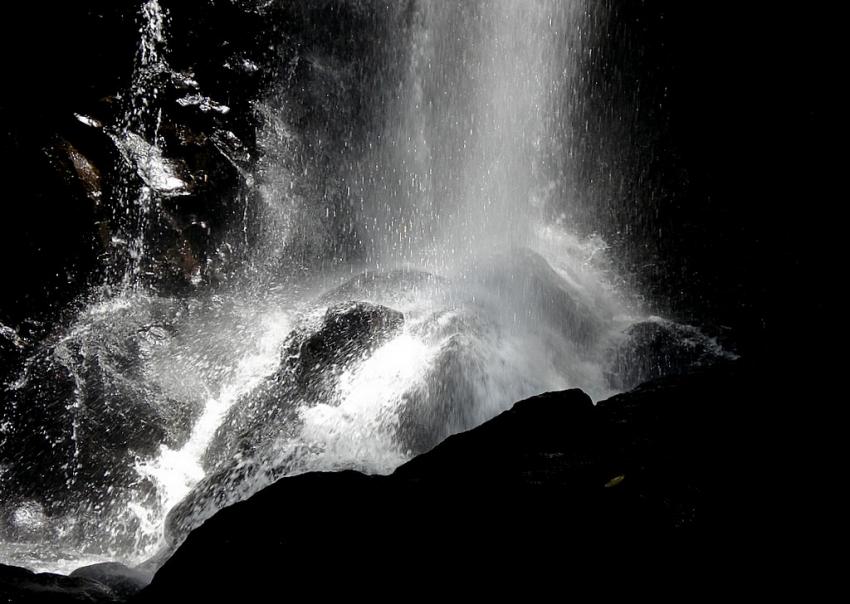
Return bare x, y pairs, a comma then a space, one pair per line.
147, 176
151, 404
464, 164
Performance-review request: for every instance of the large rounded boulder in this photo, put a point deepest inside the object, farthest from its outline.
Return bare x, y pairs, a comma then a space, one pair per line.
248, 449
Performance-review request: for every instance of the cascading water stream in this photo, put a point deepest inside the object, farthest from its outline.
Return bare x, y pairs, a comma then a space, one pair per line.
148, 177
470, 140
446, 296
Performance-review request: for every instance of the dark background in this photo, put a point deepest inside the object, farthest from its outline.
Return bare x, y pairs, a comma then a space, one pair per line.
711, 133
56, 60
708, 127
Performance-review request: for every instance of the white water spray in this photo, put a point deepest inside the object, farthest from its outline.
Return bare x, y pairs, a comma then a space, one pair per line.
449, 211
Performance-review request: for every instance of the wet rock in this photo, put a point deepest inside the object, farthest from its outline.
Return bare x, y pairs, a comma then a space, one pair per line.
311, 364
235, 151
11, 348
195, 171
22, 586
79, 170
347, 332
656, 348
546, 299
122, 580
163, 175
203, 103
81, 412
444, 402
247, 447
666, 466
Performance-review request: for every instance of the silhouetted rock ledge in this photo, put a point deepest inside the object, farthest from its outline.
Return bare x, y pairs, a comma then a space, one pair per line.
671, 464
674, 470
22, 586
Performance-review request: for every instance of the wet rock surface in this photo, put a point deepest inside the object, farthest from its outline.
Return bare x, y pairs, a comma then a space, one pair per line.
22, 586
661, 465
347, 332
92, 126
311, 364
548, 300
121, 580
77, 416
659, 470
655, 348
438, 406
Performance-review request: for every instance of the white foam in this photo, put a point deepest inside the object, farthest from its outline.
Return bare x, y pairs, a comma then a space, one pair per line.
175, 472
359, 431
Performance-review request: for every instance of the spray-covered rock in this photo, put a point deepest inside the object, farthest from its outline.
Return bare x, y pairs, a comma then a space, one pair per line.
657, 347
311, 363
23, 586
257, 442
123, 581
81, 413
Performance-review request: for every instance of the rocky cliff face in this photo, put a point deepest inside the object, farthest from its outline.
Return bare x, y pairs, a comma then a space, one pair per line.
187, 117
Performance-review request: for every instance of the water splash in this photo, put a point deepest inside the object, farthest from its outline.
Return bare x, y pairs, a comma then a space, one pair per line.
358, 428
175, 472
446, 217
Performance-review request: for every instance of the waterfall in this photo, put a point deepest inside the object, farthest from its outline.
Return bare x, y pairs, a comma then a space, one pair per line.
465, 160
400, 279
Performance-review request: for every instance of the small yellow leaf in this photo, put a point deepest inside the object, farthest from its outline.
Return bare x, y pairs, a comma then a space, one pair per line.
615, 481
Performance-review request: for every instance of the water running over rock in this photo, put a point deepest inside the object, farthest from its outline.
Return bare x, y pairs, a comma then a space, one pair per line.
392, 283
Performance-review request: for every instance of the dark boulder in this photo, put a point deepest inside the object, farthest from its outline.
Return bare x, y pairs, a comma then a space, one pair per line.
347, 332
122, 580
243, 452
447, 399
311, 362
670, 467
656, 348
525, 285
22, 586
